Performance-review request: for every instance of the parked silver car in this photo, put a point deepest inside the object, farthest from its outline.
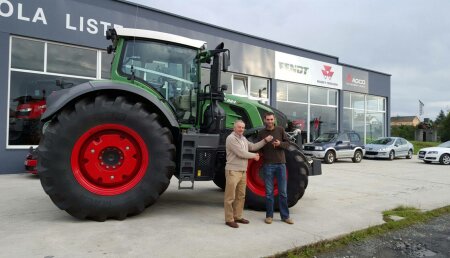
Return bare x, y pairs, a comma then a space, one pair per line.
390, 148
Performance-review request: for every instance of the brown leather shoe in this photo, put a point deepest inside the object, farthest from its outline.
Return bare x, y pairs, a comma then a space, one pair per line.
289, 221
242, 221
232, 224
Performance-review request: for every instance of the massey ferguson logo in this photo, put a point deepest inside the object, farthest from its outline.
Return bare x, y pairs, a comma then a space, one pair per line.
351, 80
327, 73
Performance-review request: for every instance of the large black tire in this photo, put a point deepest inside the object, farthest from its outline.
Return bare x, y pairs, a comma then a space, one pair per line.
444, 159
64, 133
297, 170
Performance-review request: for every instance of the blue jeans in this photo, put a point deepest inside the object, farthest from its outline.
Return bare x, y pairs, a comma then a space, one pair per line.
270, 172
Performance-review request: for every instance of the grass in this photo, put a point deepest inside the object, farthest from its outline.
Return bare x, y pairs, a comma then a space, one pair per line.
411, 216
421, 145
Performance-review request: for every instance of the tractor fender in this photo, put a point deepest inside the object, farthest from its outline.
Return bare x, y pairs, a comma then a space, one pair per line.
58, 99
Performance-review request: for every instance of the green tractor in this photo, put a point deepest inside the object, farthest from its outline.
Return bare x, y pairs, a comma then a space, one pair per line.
110, 148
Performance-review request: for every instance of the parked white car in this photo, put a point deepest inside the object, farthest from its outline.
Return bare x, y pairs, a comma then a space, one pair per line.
440, 153
389, 148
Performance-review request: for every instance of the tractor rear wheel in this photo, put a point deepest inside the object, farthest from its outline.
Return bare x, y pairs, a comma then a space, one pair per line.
105, 157
297, 174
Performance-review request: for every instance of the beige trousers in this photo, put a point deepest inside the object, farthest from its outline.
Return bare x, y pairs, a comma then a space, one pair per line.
236, 182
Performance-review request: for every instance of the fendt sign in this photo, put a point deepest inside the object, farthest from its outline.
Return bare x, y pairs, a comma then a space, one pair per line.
308, 71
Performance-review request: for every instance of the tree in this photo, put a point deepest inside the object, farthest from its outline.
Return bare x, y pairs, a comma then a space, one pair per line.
405, 131
439, 118
444, 128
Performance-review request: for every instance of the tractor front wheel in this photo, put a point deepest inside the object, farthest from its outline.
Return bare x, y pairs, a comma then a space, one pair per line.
105, 157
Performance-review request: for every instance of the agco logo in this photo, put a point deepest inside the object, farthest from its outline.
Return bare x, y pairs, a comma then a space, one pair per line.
351, 80
327, 73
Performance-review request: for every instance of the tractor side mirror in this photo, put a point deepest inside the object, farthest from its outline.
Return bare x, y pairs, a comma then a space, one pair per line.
223, 87
226, 60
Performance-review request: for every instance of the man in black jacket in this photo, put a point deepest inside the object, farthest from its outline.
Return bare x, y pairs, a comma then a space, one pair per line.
275, 166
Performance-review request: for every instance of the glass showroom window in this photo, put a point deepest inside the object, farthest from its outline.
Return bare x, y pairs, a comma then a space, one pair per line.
67, 60
240, 86
323, 111
365, 114
375, 117
292, 100
251, 87
225, 79
27, 54
259, 88
37, 69
354, 113
106, 65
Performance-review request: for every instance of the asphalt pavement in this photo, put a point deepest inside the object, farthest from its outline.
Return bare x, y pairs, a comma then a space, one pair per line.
190, 223
429, 239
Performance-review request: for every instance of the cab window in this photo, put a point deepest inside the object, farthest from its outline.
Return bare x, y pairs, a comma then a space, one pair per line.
169, 69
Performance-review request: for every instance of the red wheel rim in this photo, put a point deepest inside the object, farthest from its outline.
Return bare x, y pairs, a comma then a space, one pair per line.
109, 159
255, 178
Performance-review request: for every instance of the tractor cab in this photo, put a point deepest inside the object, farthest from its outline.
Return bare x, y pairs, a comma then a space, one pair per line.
167, 64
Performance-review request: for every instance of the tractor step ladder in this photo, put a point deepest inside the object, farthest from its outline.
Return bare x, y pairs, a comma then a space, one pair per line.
187, 165
192, 145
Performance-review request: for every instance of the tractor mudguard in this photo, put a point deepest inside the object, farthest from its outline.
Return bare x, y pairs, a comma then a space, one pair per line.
58, 99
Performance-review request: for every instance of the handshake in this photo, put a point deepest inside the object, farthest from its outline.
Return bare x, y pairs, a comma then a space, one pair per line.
268, 138
275, 143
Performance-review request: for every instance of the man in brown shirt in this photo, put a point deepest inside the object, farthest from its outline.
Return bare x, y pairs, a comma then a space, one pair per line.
275, 166
238, 154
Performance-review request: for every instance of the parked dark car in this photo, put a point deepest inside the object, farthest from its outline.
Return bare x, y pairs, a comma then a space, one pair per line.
334, 145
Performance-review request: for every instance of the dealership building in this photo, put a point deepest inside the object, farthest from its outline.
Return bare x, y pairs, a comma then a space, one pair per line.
48, 45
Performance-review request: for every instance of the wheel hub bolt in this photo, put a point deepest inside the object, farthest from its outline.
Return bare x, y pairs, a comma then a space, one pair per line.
127, 148
92, 151
112, 177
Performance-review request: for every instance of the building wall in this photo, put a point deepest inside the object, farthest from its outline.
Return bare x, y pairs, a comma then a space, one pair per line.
414, 122
82, 23
426, 135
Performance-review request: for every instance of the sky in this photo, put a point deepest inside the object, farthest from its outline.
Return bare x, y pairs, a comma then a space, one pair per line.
408, 39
